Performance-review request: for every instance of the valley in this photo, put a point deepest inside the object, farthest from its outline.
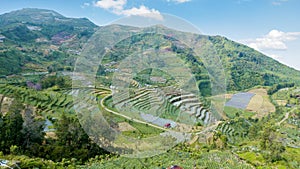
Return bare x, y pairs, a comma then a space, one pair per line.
150, 103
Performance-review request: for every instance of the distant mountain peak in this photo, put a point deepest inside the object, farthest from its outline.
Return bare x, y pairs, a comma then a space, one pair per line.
30, 11
35, 16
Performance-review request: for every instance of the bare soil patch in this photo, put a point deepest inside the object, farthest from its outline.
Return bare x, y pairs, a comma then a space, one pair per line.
260, 103
124, 126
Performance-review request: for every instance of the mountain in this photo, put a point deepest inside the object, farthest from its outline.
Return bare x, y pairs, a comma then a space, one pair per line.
37, 40
246, 67
28, 24
40, 40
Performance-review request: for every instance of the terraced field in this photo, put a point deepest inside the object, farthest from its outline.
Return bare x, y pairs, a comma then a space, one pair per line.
168, 103
85, 103
289, 129
234, 130
49, 102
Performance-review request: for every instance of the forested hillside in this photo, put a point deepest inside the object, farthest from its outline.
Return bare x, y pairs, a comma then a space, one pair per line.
53, 116
42, 40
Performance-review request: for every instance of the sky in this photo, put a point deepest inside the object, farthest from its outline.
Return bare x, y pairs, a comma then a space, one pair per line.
269, 26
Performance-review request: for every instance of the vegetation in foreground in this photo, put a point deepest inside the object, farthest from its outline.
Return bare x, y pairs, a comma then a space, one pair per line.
240, 142
34, 89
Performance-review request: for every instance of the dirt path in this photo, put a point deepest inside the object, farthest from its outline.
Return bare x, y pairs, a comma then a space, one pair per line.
210, 128
129, 118
285, 118
206, 130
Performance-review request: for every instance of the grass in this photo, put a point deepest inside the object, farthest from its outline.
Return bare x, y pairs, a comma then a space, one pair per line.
291, 134
143, 103
209, 160
141, 129
145, 129
257, 159
231, 112
282, 94
253, 158
29, 162
293, 156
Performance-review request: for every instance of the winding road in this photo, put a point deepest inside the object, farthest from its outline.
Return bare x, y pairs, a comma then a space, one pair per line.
126, 117
206, 130
285, 117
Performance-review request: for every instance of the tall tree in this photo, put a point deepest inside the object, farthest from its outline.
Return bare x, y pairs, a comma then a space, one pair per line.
2, 131
70, 132
12, 125
33, 129
73, 141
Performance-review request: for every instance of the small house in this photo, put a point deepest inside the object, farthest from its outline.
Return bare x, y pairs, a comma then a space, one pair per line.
167, 125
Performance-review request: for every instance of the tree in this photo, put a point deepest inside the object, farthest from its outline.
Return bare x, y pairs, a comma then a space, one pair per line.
12, 124
2, 131
60, 81
269, 142
268, 136
219, 140
33, 129
72, 141
276, 150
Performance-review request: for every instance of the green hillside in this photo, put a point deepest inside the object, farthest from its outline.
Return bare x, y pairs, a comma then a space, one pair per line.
246, 67
45, 122
38, 40
27, 24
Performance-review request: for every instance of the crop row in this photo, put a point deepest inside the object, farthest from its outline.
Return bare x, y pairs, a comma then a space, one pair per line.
167, 102
49, 101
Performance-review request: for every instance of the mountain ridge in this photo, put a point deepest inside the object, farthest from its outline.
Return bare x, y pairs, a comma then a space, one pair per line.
50, 41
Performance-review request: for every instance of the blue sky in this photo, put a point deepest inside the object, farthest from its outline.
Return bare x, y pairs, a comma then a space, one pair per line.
270, 26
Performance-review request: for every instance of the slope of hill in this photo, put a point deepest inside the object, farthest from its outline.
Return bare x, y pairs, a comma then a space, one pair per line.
40, 40
36, 40
43, 40
28, 24
246, 67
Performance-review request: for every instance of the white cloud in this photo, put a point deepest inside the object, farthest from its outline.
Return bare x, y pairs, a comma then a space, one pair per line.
143, 11
86, 4
179, 1
111, 4
273, 44
242, 1
274, 40
118, 7
279, 2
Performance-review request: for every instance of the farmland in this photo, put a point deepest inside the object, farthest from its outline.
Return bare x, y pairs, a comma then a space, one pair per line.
262, 106
161, 107
240, 100
235, 130
254, 103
